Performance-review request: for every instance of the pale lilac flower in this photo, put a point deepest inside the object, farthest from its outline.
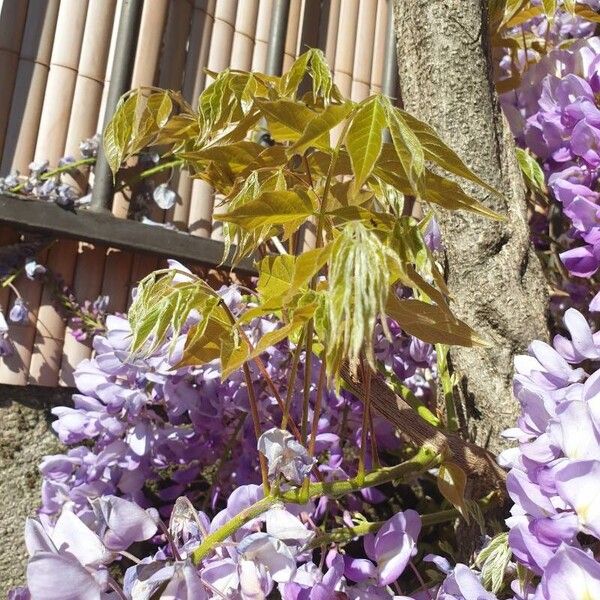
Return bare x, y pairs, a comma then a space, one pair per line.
34, 270
285, 456
121, 523
164, 196
571, 574
19, 311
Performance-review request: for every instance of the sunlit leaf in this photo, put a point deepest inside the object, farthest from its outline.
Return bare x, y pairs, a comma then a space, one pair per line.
162, 305
494, 561
450, 195
291, 80
408, 147
270, 208
549, 7
524, 16
430, 323
275, 275
439, 153
317, 130
364, 140
286, 119
534, 176
359, 282
585, 12
452, 482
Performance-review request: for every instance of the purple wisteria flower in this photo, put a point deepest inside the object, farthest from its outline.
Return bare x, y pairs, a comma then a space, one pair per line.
555, 471
19, 311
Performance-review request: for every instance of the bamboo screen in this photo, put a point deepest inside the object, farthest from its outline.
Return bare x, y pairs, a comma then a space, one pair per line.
55, 61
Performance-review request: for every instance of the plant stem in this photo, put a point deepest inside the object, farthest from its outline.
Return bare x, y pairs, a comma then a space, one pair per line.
346, 534
445, 378
424, 459
58, 171
307, 377
292, 381
231, 526
317, 409
366, 421
257, 430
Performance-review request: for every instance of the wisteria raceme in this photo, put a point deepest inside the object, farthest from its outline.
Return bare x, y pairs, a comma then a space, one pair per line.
554, 114
184, 430
554, 476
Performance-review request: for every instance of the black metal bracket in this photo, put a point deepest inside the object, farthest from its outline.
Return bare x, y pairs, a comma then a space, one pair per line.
104, 228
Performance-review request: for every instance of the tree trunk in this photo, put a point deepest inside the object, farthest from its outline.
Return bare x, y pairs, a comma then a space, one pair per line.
494, 277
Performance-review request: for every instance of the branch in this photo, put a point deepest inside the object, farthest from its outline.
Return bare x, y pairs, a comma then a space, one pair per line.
474, 460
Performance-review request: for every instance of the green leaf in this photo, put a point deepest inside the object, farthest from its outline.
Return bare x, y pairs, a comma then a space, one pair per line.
452, 483
450, 195
275, 275
431, 323
291, 80
203, 342
307, 265
439, 153
236, 157
119, 131
321, 75
569, 6
359, 283
587, 13
549, 7
523, 16
163, 304
317, 130
409, 148
234, 353
364, 140
534, 176
493, 561
270, 208
286, 119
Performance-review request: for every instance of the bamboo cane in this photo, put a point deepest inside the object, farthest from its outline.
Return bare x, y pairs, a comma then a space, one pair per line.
14, 369
201, 206
115, 283
193, 84
84, 117
90, 260
243, 35
152, 25
47, 353
91, 73
30, 85
170, 72
333, 21
381, 28
109, 65
363, 51
261, 37
344, 50
12, 24
50, 144
60, 88
292, 35
310, 25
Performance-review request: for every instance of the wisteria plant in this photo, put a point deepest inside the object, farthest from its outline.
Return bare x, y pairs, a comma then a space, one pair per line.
222, 388
302, 412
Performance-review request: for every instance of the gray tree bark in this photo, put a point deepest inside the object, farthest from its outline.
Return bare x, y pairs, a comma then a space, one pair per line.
494, 277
